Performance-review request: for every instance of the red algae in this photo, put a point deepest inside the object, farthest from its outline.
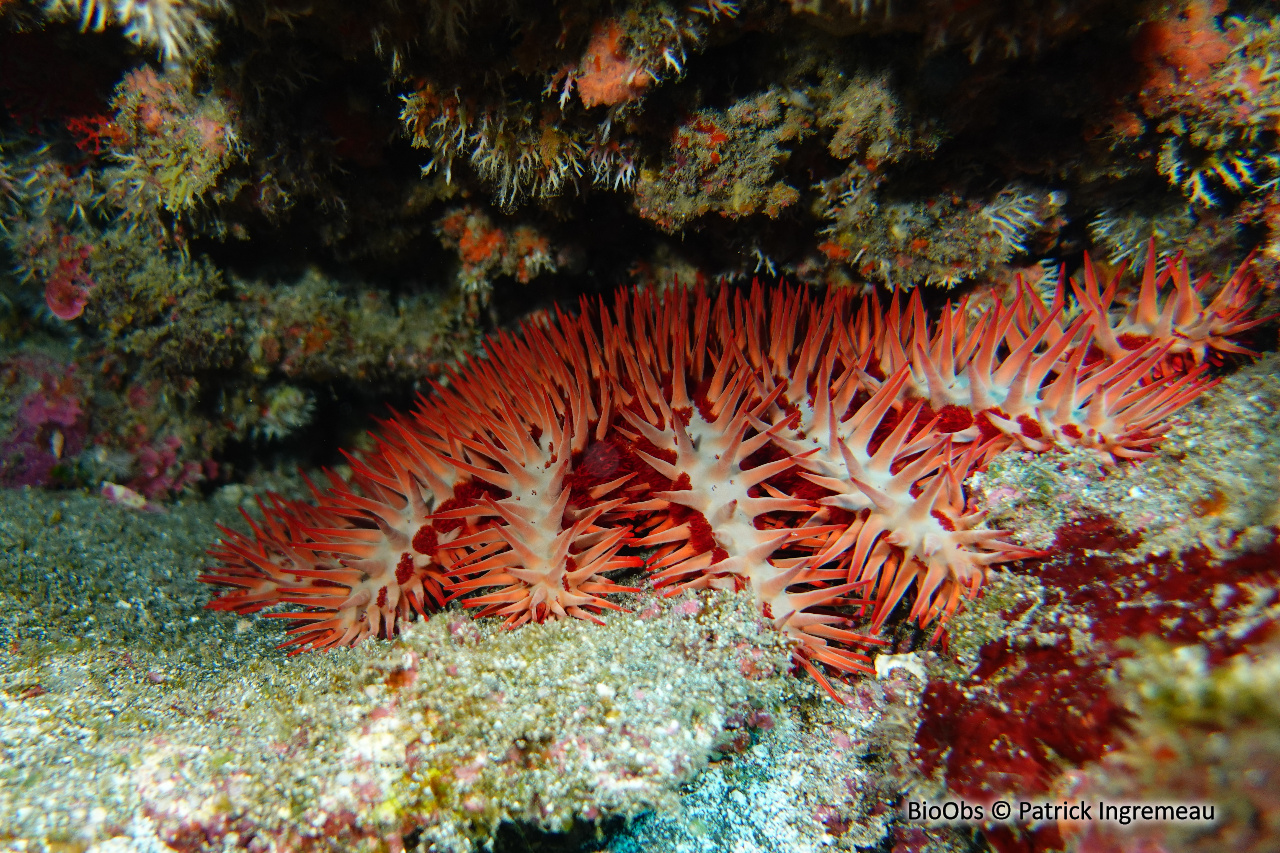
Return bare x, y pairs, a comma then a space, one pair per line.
1183, 598
1030, 713
1042, 705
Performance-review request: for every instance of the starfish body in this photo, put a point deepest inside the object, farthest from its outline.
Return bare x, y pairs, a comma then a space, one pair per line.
802, 447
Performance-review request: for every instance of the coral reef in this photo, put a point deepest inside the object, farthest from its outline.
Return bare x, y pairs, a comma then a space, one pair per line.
487, 251
1211, 93
724, 161
49, 421
62, 430
228, 235
197, 361
173, 28
539, 106
168, 147
941, 241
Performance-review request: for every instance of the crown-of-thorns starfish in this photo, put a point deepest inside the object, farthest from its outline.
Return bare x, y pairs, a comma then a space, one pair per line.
809, 449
